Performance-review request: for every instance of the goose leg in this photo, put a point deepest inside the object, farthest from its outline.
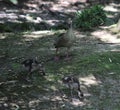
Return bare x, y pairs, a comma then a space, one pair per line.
80, 94
28, 77
56, 58
71, 94
29, 72
67, 55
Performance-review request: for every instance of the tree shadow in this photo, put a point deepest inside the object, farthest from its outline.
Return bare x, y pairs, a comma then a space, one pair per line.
43, 16
97, 74
47, 89
20, 18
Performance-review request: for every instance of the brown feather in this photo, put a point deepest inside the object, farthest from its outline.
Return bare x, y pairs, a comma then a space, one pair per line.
65, 39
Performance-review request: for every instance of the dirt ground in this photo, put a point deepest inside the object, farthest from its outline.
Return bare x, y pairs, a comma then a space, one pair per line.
95, 60
46, 15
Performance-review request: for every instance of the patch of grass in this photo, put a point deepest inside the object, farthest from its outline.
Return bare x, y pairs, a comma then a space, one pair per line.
103, 87
90, 18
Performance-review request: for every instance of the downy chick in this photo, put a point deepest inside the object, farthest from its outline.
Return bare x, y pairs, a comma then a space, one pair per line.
32, 65
73, 83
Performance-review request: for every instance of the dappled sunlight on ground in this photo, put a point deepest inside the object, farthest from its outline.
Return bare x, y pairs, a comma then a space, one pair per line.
106, 36
77, 102
112, 7
2, 36
94, 59
48, 92
40, 34
37, 34
89, 80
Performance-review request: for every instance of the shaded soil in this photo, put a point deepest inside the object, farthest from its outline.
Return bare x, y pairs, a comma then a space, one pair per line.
95, 60
42, 15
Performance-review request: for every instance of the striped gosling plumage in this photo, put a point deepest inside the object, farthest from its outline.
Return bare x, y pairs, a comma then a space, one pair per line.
72, 82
